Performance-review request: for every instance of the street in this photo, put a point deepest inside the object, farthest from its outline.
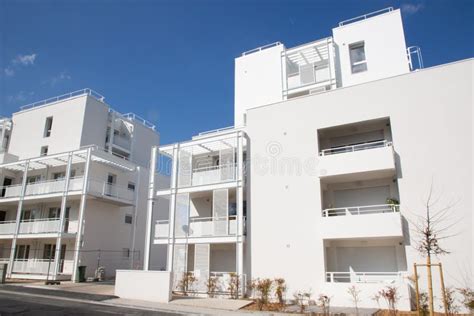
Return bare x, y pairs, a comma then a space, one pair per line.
19, 304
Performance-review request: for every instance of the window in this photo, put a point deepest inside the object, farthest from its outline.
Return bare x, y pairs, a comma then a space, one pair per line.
131, 186
49, 251
54, 212
62, 174
128, 219
357, 56
47, 126
44, 151
22, 252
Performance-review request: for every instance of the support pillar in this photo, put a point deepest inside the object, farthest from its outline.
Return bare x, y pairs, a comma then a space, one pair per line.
18, 220
240, 211
62, 216
150, 203
82, 209
172, 213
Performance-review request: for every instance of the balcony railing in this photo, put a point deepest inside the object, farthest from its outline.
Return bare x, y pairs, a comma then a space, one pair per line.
41, 187
40, 266
363, 277
355, 147
361, 210
213, 174
201, 227
46, 225
122, 142
7, 228
111, 190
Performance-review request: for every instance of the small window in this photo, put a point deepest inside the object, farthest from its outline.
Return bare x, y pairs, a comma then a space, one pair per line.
44, 151
357, 56
128, 219
47, 126
49, 251
131, 186
54, 212
125, 253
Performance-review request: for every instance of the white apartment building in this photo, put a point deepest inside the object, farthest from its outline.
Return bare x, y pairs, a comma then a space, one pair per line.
335, 147
74, 175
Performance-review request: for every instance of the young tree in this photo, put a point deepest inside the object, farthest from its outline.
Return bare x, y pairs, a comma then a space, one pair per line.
430, 229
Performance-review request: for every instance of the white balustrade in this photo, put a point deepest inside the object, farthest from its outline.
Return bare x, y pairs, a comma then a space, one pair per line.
10, 191
122, 142
111, 190
201, 227
213, 174
33, 266
67, 266
7, 228
355, 147
363, 277
42, 187
361, 210
38, 226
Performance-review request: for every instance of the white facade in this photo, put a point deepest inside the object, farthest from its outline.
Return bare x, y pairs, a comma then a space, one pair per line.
342, 145
73, 193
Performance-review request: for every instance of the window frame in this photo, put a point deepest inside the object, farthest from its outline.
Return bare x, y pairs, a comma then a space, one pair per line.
48, 126
353, 46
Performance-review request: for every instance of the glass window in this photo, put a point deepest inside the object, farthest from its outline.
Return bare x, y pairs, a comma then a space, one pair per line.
131, 186
44, 151
128, 219
47, 126
357, 56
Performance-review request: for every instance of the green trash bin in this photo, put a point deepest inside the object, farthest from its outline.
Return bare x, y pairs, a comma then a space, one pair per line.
81, 270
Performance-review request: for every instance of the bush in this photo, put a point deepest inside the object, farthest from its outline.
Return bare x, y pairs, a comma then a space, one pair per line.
302, 299
263, 288
391, 296
234, 285
212, 284
468, 298
280, 290
186, 282
324, 302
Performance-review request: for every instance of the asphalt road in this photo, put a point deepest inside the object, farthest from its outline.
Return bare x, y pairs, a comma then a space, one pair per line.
18, 304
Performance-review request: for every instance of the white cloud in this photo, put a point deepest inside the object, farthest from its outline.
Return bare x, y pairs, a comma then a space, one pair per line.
9, 72
59, 78
20, 97
24, 60
410, 8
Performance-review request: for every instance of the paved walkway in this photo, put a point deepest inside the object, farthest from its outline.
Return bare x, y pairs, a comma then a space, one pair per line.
222, 304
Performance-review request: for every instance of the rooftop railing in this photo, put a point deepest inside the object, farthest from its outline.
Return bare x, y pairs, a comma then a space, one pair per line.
365, 16
66, 96
258, 49
361, 210
135, 117
355, 147
415, 50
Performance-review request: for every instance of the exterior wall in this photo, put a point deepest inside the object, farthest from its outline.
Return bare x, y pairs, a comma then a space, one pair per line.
94, 129
29, 125
144, 139
286, 203
258, 80
385, 48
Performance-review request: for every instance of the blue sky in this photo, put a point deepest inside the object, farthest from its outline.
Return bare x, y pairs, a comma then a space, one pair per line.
172, 62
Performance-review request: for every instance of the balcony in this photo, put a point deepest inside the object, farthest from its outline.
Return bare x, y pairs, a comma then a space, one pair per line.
122, 142
362, 222
213, 174
47, 225
366, 158
7, 227
40, 266
200, 227
111, 191
41, 188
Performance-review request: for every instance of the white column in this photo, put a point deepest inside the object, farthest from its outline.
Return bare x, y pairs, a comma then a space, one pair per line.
57, 255
82, 208
138, 171
2, 136
18, 219
150, 203
112, 129
240, 208
174, 181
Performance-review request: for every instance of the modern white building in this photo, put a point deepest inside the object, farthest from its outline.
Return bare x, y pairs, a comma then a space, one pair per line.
335, 147
74, 176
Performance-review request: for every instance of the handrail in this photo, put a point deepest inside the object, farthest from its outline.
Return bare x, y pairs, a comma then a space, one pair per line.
86, 91
201, 219
135, 117
363, 277
258, 49
355, 147
40, 220
411, 51
7, 222
361, 210
365, 16
214, 167
216, 130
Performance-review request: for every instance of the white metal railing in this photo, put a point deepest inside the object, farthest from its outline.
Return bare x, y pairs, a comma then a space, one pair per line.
41, 187
10, 191
201, 227
105, 189
355, 147
33, 266
222, 279
7, 227
4, 260
365, 16
363, 277
213, 174
40, 225
66, 96
135, 117
258, 49
71, 226
361, 210
217, 130
414, 50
